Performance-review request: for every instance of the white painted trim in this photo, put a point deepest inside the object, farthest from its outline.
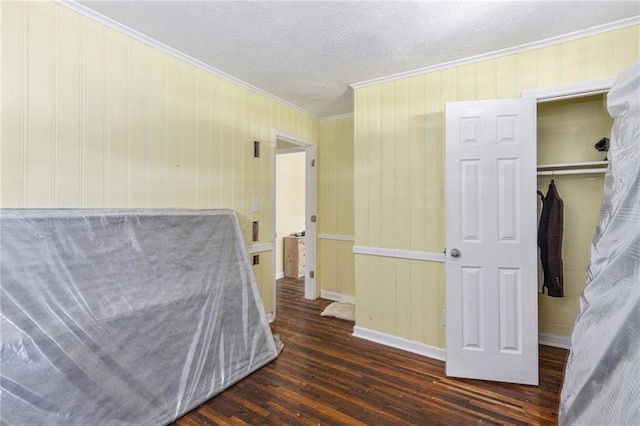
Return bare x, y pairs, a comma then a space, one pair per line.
338, 297
92, 14
571, 91
311, 191
288, 137
271, 317
400, 343
279, 275
400, 254
260, 248
337, 117
338, 237
623, 23
555, 340
289, 150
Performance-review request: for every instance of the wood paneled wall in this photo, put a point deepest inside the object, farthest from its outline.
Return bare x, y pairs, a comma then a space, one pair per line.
335, 206
92, 118
399, 169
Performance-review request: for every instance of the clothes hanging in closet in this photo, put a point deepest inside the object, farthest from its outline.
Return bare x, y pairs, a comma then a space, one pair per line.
550, 241
539, 198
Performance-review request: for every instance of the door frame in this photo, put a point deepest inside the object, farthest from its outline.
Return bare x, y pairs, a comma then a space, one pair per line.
309, 148
570, 91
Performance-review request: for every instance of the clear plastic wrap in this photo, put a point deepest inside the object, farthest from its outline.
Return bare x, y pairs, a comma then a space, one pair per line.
124, 317
602, 380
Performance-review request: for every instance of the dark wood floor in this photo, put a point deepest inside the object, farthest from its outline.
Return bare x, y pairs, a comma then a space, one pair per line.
324, 376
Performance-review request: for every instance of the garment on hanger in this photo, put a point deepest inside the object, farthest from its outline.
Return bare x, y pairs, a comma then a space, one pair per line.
550, 232
539, 198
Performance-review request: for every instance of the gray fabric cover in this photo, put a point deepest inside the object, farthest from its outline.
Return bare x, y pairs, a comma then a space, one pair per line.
124, 317
602, 380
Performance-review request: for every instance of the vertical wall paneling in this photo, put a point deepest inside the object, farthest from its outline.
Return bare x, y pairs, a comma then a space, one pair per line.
14, 118
92, 118
433, 164
506, 77
335, 206
467, 76
39, 152
68, 153
138, 137
404, 203
572, 61
547, 66
526, 70
486, 75
627, 45
188, 122
95, 125
373, 174
406, 298
173, 139
599, 54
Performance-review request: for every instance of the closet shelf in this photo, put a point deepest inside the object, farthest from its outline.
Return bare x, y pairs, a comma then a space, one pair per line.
580, 168
573, 165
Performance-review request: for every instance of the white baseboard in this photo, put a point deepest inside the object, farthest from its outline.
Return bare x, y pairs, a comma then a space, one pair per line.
270, 317
337, 297
400, 343
555, 340
279, 275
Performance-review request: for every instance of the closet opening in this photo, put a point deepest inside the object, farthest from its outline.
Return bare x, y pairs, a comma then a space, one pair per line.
567, 132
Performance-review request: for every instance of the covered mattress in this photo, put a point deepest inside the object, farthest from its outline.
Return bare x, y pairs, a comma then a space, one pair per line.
602, 380
124, 317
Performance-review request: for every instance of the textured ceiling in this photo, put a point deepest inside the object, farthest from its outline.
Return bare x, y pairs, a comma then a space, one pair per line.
309, 52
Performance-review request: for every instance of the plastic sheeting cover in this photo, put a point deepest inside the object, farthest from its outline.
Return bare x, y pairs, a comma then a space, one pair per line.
602, 380
124, 317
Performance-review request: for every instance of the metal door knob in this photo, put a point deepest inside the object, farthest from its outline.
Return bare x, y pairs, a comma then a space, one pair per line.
455, 253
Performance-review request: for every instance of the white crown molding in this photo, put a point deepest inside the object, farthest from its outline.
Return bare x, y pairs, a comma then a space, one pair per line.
337, 117
623, 23
570, 91
400, 343
400, 253
555, 340
337, 237
338, 297
89, 13
260, 248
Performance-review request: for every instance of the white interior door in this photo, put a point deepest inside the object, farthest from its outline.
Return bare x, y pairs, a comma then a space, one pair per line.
491, 290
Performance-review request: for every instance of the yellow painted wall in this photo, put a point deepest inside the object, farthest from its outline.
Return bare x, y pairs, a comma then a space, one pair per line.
92, 118
567, 132
399, 169
335, 206
290, 200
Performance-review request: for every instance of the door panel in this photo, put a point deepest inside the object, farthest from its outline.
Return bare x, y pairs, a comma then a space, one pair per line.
492, 315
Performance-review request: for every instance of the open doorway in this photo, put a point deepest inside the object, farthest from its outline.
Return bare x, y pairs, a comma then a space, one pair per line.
290, 208
288, 151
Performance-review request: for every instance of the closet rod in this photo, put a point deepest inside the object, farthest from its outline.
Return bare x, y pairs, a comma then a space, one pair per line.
571, 172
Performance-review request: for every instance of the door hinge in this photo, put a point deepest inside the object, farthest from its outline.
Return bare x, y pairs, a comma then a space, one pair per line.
312, 274
313, 162
313, 218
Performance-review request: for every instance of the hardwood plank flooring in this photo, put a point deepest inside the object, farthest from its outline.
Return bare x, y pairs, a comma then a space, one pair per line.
325, 376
